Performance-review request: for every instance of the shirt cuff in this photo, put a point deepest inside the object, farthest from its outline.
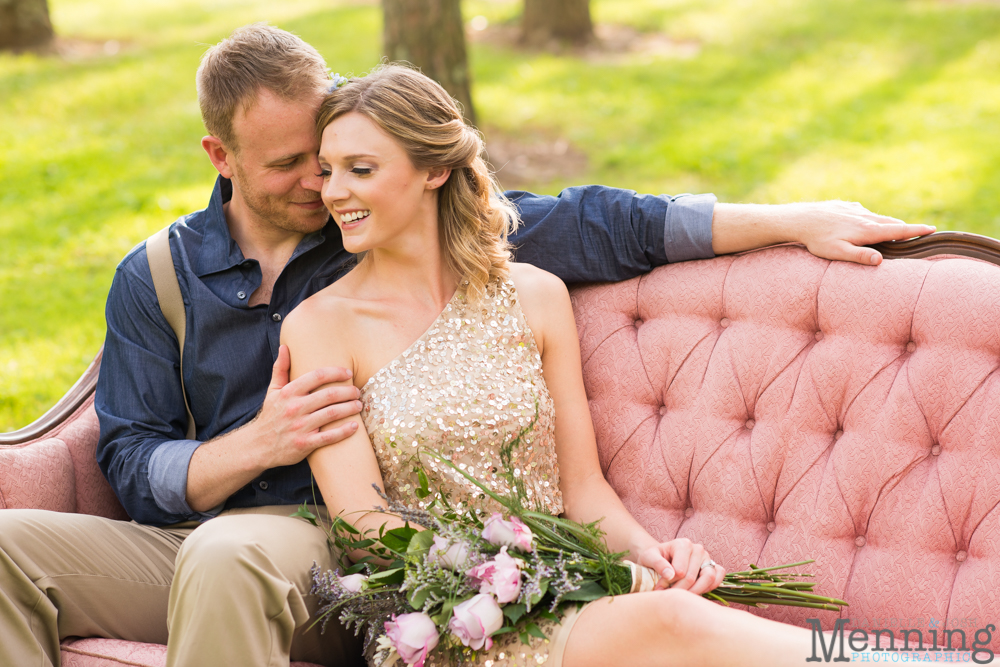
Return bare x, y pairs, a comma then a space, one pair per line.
688, 228
168, 472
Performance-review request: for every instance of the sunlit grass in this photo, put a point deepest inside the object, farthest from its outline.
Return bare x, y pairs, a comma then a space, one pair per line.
893, 103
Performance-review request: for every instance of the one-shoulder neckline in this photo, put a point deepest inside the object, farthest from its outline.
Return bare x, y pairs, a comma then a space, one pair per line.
406, 352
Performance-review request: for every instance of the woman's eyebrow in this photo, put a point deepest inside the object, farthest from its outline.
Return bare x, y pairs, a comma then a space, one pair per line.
356, 156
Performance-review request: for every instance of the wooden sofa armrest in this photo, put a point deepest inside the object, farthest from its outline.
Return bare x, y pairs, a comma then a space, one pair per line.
58, 416
943, 243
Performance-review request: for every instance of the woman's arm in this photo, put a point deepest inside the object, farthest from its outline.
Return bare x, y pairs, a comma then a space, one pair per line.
587, 496
316, 337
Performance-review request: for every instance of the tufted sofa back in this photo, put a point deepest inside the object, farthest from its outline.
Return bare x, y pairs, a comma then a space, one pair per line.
778, 407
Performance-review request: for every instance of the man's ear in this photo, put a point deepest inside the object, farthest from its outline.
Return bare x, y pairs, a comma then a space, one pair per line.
437, 177
218, 154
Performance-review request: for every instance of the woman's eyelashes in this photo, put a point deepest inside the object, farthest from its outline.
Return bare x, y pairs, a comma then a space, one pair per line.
326, 172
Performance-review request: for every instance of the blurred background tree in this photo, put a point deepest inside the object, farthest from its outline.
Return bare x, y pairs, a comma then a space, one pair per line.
24, 24
548, 21
431, 35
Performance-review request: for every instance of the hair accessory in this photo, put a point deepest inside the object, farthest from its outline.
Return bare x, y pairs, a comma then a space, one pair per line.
336, 81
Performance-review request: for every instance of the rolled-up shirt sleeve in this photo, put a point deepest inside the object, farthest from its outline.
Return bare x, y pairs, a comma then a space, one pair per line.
142, 451
595, 233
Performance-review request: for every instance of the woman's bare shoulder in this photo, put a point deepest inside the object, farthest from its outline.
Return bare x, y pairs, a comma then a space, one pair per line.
318, 332
534, 283
544, 301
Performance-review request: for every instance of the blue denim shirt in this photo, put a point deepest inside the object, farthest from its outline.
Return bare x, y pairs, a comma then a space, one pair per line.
590, 233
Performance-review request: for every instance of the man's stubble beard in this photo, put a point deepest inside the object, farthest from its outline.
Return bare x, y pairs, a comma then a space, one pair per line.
274, 211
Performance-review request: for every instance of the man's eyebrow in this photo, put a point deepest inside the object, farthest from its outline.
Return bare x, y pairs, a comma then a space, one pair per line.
283, 158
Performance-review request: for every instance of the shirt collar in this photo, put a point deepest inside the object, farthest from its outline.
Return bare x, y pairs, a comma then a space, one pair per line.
219, 251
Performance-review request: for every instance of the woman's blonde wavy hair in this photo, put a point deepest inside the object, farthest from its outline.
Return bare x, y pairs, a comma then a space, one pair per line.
474, 217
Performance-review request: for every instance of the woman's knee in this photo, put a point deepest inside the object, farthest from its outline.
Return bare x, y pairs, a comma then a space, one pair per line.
684, 614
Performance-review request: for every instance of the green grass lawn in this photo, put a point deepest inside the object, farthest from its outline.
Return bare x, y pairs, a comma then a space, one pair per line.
893, 103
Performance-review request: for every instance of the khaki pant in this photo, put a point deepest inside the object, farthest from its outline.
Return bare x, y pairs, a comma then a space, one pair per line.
231, 591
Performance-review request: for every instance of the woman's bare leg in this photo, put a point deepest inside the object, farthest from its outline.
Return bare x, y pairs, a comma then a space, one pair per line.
675, 627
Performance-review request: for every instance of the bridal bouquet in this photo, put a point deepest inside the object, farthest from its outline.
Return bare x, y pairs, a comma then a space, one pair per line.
452, 579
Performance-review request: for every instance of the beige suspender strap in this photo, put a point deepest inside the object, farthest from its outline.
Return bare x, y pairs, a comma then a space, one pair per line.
168, 293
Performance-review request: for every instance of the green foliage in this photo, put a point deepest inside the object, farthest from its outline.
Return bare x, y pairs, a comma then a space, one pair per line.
889, 102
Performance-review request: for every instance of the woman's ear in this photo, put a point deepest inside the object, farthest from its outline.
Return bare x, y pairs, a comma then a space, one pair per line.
437, 177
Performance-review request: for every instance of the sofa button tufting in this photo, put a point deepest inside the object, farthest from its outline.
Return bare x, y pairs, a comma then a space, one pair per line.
911, 346
770, 526
637, 323
961, 556
819, 335
689, 512
724, 322
838, 435
860, 541
750, 424
663, 410
935, 450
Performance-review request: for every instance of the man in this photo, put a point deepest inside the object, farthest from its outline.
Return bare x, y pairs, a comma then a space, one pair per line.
234, 590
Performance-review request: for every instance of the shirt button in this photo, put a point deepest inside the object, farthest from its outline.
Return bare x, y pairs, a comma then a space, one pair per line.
263, 486
241, 295
276, 317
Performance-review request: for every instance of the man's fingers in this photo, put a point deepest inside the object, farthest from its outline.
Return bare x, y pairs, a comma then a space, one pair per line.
334, 435
327, 396
331, 414
893, 230
313, 380
279, 371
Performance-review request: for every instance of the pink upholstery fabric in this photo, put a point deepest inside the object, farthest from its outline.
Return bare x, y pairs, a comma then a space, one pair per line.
59, 472
778, 407
93, 493
115, 653
39, 475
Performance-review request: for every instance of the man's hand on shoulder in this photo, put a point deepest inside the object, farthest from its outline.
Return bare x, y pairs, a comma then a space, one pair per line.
285, 432
834, 230
294, 411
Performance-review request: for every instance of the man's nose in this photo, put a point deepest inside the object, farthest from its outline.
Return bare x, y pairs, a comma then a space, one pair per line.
312, 179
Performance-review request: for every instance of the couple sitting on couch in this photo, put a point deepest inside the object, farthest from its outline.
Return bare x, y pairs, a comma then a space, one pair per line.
365, 207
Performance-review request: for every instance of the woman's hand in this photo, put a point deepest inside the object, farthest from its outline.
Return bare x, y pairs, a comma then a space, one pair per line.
680, 565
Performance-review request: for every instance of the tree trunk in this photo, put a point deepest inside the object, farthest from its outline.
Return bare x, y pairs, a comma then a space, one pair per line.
430, 34
547, 21
24, 24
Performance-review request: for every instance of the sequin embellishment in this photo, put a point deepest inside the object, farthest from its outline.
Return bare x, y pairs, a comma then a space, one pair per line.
469, 383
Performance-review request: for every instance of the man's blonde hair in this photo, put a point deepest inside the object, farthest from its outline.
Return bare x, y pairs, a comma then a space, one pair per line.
474, 217
256, 56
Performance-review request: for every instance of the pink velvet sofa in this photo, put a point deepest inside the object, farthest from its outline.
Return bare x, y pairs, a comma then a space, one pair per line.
772, 405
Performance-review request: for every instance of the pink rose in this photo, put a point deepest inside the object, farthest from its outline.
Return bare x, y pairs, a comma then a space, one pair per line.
511, 533
452, 555
413, 636
353, 583
474, 620
500, 576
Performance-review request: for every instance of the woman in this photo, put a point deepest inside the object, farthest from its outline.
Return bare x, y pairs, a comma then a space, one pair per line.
455, 347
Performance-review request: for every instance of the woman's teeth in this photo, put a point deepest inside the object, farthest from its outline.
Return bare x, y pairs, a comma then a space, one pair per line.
356, 215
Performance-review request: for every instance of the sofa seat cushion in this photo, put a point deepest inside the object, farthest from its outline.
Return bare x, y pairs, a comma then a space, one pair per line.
117, 652
776, 407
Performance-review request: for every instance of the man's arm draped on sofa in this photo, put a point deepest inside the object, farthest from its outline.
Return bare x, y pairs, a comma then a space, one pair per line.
588, 233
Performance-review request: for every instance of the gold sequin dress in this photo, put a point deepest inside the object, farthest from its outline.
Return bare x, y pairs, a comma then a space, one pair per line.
472, 381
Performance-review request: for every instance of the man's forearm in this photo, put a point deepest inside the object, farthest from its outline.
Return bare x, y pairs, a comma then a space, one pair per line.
739, 227
834, 230
221, 467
